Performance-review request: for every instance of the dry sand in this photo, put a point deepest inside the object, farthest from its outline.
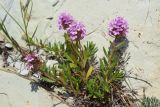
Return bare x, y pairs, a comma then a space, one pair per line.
144, 34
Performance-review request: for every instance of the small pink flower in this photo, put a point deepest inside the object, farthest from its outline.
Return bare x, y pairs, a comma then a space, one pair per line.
29, 66
76, 31
65, 19
118, 27
29, 58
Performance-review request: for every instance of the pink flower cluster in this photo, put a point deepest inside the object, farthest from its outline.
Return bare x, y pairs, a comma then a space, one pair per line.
118, 27
65, 19
30, 58
76, 30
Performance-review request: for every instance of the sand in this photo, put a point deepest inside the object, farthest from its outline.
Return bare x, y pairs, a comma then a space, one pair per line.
144, 30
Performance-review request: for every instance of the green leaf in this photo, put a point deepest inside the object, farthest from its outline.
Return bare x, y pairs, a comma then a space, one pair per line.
89, 72
105, 52
121, 44
85, 57
68, 57
47, 80
72, 65
94, 96
34, 32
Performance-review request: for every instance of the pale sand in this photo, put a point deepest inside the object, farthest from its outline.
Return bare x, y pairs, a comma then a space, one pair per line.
144, 34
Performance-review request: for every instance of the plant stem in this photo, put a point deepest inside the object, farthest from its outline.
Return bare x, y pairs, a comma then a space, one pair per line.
139, 80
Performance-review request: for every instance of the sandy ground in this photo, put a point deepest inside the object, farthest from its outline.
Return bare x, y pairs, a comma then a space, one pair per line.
144, 34
16, 91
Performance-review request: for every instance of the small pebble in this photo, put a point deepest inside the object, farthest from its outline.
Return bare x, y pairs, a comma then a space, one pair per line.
9, 46
70, 100
37, 75
50, 63
24, 72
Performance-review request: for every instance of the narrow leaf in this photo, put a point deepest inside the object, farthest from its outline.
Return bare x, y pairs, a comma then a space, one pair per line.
89, 72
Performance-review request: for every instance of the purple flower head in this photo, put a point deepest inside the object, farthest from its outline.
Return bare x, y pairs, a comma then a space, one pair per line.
76, 31
30, 57
29, 66
65, 19
118, 27
30, 60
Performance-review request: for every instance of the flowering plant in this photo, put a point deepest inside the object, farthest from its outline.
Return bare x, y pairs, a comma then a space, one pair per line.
64, 21
92, 83
79, 60
118, 27
33, 61
75, 30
